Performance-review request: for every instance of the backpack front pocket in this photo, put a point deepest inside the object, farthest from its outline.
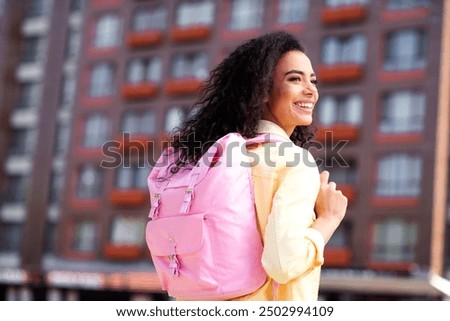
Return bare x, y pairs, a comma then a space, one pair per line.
178, 248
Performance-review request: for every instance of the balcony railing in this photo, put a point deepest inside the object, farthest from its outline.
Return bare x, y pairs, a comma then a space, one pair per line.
343, 15
194, 33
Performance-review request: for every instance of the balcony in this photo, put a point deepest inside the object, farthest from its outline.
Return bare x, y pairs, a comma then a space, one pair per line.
343, 15
392, 201
101, 5
399, 138
139, 91
349, 191
329, 74
338, 132
178, 87
392, 266
128, 198
122, 252
392, 76
144, 39
405, 14
186, 34
337, 257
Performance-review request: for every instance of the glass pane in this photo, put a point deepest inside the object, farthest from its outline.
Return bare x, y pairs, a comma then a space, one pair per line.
128, 231
89, 182
125, 178
96, 131
174, 117
130, 122
141, 176
136, 71
148, 123
246, 14
395, 176
102, 80
84, 237
16, 189
327, 110
11, 236
154, 70
293, 11
56, 187
107, 32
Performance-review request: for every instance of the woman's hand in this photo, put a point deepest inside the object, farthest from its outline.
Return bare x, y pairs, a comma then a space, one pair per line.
330, 207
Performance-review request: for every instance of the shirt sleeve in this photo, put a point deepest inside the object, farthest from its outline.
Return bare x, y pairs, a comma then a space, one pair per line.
291, 247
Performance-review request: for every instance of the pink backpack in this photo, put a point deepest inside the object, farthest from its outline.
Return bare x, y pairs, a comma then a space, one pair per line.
203, 236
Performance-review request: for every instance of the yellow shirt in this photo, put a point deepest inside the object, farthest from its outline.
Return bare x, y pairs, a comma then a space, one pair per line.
286, 183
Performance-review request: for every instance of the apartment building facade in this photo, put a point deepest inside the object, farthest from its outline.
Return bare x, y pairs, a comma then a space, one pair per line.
95, 87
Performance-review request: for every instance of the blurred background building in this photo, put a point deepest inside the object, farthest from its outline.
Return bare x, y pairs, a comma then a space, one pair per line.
76, 74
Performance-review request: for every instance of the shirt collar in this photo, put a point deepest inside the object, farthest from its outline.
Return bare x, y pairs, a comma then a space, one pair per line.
266, 126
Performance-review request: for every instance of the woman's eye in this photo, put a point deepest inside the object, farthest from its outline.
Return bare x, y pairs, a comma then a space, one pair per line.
295, 79
314, 82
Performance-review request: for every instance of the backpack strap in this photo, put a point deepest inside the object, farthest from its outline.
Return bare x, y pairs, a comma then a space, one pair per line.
196, 171
156, 203
265, 138
189, 192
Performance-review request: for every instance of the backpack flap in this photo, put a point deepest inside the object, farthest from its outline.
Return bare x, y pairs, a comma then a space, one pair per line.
169, 236
178, 247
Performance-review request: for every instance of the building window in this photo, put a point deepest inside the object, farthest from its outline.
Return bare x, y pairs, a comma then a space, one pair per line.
76, 5
341, 3
96, 131
341, 50
340, 110
402, 112
89, 182
132, 177
30, 95
139, 123
35, 48
293, 11
341, 173
17, 188
102, 78
174, 117
68, 89
128, 231
142, 70
39, 8
405, 50
149, 19
61, 139
399, 175
22, 142
190, 65
107, 31
190, 13
11, 236
394, 240
56, 186
407, 4
50, 238
340, 238
84, 236
246, 14
73, 43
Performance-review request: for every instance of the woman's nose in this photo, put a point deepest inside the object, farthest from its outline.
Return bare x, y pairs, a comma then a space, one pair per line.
309, 90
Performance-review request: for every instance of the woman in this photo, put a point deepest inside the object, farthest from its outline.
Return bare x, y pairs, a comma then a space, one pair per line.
267, 85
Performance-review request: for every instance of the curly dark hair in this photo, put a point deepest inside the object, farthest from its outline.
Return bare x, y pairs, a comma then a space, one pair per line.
232, 99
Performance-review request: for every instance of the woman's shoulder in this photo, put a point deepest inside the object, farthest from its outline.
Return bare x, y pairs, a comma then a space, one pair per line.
279, 155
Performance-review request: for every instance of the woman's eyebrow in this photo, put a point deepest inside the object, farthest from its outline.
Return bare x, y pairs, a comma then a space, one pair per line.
294, 71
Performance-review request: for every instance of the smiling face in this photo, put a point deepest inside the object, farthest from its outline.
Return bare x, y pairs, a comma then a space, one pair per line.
294, 92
